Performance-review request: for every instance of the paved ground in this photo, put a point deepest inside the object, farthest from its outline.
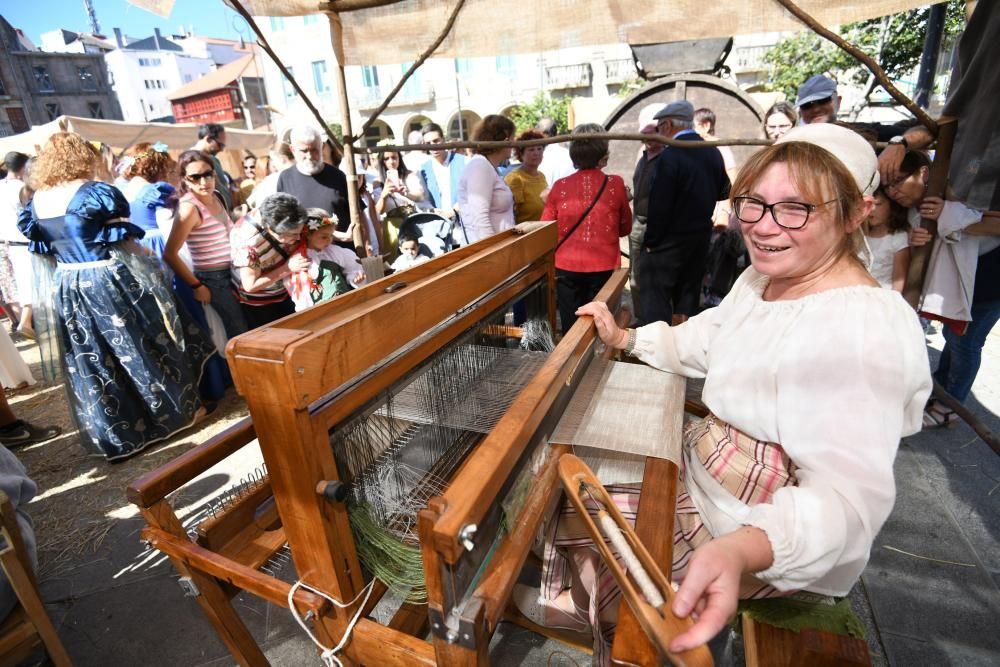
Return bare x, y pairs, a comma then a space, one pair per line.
931, 594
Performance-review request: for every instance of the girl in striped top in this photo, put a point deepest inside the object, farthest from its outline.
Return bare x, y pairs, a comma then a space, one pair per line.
203, 224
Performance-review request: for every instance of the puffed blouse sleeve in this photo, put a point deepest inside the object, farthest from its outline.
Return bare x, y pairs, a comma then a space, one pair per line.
160, 195
843, 401
105, 205
27, 222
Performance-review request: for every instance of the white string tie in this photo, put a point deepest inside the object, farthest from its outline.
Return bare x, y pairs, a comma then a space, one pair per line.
329, 655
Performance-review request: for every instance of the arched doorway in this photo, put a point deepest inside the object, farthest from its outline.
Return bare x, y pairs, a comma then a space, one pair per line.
463, 130
413, 124
508, 111
378, 131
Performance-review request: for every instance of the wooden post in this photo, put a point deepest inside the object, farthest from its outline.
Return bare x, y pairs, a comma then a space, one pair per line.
353, 200
936, 185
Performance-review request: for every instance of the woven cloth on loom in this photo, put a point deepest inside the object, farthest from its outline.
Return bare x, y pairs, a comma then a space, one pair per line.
620, 414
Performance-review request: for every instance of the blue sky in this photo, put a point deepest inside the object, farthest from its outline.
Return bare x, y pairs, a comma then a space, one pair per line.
211, 18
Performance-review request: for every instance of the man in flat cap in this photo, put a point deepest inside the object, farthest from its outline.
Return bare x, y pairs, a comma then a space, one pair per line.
817, 100
687, 183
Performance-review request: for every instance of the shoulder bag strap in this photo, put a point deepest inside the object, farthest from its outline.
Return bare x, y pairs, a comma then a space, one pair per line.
585, 213
273, 242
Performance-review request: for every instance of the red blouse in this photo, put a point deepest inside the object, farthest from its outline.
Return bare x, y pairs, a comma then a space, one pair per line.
593, 246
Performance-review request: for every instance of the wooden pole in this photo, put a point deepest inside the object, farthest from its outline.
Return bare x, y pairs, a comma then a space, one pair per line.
865, 60
353, 200
262, 42
936, 184
563, 138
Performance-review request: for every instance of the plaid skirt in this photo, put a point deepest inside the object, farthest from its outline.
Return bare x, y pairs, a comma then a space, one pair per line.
751, 470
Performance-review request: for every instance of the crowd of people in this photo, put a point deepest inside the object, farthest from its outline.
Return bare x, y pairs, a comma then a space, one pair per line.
133, 281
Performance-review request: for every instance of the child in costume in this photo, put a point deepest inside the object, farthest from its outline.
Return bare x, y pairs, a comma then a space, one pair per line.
332, 269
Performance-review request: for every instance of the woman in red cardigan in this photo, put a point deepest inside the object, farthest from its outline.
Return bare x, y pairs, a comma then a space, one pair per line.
593, 212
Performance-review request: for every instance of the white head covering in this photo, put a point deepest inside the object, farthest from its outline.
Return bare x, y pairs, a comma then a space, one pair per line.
846, 145
855, 153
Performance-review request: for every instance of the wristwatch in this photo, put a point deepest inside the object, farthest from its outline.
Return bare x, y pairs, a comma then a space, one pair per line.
900, 140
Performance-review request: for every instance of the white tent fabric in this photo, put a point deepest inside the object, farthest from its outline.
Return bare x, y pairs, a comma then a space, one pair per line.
490, 28
120, 135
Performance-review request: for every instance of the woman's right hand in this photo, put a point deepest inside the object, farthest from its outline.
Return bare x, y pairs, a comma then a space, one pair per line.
611, 334
202, 295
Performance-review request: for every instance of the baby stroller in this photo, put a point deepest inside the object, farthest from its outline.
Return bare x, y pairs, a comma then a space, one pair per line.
435, 233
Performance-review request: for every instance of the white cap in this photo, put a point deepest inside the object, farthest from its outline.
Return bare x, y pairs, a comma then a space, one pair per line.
846, 145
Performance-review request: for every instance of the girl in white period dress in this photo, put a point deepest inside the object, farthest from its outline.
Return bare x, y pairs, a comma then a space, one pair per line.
887, 233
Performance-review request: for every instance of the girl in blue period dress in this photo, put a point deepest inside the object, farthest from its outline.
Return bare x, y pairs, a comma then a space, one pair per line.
152, 200
133, 360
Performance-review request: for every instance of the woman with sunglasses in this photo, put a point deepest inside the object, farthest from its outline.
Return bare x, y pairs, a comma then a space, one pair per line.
813, 373
203, 228
132, 359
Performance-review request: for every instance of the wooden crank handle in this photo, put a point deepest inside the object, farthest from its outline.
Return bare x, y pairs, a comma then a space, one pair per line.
660, 624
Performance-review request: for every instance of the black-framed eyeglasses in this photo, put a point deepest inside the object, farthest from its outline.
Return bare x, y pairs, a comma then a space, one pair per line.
203, 176
787, 214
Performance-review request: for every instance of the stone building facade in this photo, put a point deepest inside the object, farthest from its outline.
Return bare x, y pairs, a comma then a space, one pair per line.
37, 87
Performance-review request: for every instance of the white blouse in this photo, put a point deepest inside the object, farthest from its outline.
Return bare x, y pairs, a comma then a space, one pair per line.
883, 252
485, 201
836, 378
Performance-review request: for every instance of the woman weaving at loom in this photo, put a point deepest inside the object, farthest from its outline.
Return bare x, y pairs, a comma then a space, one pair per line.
812, 374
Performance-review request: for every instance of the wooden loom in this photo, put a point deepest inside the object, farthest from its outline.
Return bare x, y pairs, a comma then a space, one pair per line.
304, 375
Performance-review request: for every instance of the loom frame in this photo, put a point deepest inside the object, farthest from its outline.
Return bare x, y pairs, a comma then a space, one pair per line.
305, 374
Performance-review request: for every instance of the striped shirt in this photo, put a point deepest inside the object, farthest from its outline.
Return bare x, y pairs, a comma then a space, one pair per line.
251, 249
208, 241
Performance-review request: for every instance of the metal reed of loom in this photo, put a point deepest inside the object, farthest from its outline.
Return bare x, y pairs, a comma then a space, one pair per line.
400, 452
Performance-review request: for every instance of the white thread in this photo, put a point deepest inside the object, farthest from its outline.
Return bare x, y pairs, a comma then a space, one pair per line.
328, 655
635, 569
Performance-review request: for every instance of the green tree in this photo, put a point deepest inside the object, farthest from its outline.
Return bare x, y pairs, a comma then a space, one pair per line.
526, 116
335, 130
895, 42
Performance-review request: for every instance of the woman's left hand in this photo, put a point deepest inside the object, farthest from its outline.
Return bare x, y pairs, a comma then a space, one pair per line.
358, 278
298, 262
931, 207
711, 587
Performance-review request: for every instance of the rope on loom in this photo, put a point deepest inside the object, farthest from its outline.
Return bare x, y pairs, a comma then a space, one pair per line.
329, 655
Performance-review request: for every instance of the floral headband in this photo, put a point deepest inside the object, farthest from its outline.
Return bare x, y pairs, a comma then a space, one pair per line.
317, 223
128, 161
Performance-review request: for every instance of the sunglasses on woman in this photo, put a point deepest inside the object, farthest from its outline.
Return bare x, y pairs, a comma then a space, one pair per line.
203, 176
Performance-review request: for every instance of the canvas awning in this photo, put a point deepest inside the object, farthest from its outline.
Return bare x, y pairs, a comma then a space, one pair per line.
401, 31
120, 135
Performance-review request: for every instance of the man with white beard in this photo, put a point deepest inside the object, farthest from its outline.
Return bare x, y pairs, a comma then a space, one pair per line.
313, 182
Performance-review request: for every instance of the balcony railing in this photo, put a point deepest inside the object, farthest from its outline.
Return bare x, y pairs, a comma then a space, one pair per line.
568, 76
618, 71
370, 97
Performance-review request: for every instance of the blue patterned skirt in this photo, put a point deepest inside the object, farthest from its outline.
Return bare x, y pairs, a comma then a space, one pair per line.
133, 359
